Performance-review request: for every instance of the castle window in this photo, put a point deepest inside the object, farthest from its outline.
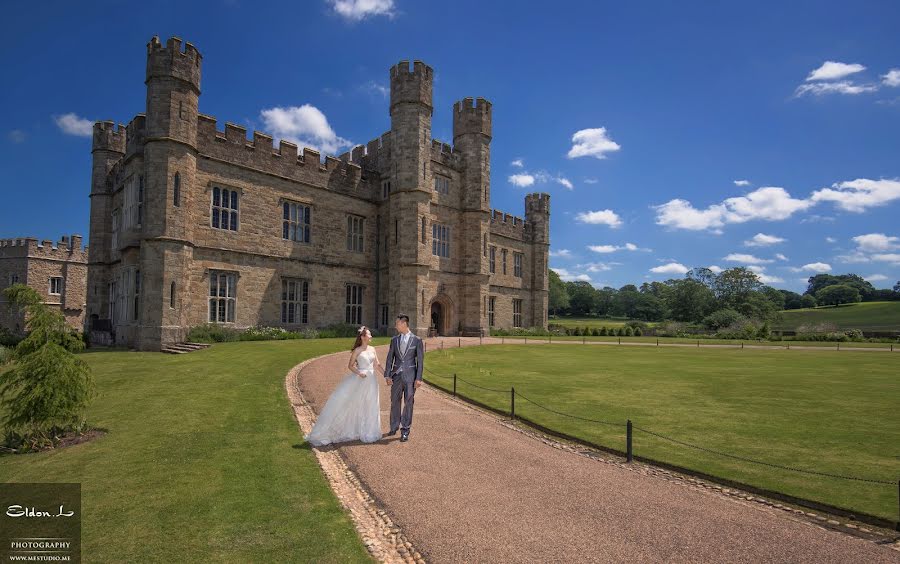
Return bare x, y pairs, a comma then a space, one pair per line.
56, 286
484, 250
181, 113
493, 260
517, 264
503, 259
396, 230
224, 208
441, 184
440, 240
136, 296
115, 230
491, 303
172, 295
354, 304
423, 230
385, 189
296, 221
176, 190
13, 279
517, 313
112, 289
355, 233
134, 202
294, 301
383, 316
222, 296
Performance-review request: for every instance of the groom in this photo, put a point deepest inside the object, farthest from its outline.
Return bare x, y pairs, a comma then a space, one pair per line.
405, 361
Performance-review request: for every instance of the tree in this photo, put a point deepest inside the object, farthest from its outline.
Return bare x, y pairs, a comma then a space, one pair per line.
808, 301
792, 300
704, 276
722, 318
838, 294
48, 387
775, 296
625, 301
897, 287
649, 308
558, 298
733, 286
690, 300
582, 297
819, 281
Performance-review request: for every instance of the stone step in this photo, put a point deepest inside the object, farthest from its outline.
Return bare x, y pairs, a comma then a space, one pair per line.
181, 348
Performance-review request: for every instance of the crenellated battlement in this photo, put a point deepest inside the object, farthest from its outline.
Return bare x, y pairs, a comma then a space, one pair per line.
231, 145
472, 116
172, 61
411, 85
108, 137
444, 153
537, 202
67, 248
135, 132
509, 225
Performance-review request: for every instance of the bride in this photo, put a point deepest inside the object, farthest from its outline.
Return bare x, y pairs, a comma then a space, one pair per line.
353, 411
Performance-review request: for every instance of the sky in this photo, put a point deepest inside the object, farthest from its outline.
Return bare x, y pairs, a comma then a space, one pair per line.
669, 135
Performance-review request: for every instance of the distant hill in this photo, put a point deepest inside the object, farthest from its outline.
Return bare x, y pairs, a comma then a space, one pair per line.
868, 316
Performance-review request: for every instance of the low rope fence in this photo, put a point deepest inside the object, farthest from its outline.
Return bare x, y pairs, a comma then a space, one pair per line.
629, 446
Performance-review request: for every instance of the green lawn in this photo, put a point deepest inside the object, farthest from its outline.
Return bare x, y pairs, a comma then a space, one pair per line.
868, 316
828, 411
203, 462
703, 342
598, 322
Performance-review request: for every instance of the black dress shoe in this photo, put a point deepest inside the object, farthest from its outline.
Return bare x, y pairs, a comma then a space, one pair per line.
391, 433
404, 436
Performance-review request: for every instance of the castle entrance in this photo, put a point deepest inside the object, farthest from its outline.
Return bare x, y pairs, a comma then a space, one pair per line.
437, 320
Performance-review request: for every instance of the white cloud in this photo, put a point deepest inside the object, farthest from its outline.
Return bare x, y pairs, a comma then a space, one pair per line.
670, 268
597, 266
715, 269
567, 276
892, 78
16, 136
893, 258
304, 125
842, 87
521, 180
592, 143
565, 253
746, 259
780, 256
833, 70
860, 194
565, 182
600, 217
591, 181
769, 203
763, 240
614, 248
830, 240
71, 124
518, 163
742, 183
876, 278
377, 88
356, 10
855, 257
817, 267
876, 242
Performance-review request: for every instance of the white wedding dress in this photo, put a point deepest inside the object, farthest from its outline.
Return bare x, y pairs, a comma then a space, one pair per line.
353, 411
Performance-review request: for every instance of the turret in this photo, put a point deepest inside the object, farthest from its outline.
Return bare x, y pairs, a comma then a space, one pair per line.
537, 213
173, 89
469, 117
411, 109
472, 140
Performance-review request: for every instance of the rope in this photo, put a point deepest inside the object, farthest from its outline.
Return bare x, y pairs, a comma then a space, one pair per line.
769, 464
569, 415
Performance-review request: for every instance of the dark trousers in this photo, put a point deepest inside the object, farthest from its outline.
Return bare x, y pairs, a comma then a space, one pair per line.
401, 387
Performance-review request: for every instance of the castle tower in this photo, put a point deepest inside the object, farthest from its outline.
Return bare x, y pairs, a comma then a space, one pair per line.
537, 215
170, 165
411, 179
472, 129
107, 149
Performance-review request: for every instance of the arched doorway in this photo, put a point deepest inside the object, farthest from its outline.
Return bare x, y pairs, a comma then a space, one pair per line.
437, 319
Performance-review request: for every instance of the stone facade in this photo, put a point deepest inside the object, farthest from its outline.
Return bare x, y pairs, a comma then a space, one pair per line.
57, 272
163, 239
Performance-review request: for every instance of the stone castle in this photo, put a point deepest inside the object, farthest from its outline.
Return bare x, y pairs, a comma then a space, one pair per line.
192, 225
57, 272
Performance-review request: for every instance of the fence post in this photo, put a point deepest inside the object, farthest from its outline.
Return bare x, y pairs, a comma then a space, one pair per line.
454, 384
460, 342
512, 403
583, 340
628, 450
742, 345
657, 341
839, 345
620, 340
698, 343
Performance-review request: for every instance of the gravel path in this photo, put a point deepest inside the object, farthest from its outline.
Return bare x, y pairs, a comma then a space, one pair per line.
466, 487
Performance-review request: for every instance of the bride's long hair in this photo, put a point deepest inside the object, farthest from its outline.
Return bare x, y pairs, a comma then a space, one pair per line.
359, 335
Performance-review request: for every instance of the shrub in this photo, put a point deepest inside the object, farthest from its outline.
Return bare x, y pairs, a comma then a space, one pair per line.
577, 332
48, 388
726, 317
638, 332
629, 332
604, 331
8, 338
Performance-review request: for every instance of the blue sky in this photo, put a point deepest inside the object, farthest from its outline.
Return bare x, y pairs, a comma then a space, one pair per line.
669, 135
